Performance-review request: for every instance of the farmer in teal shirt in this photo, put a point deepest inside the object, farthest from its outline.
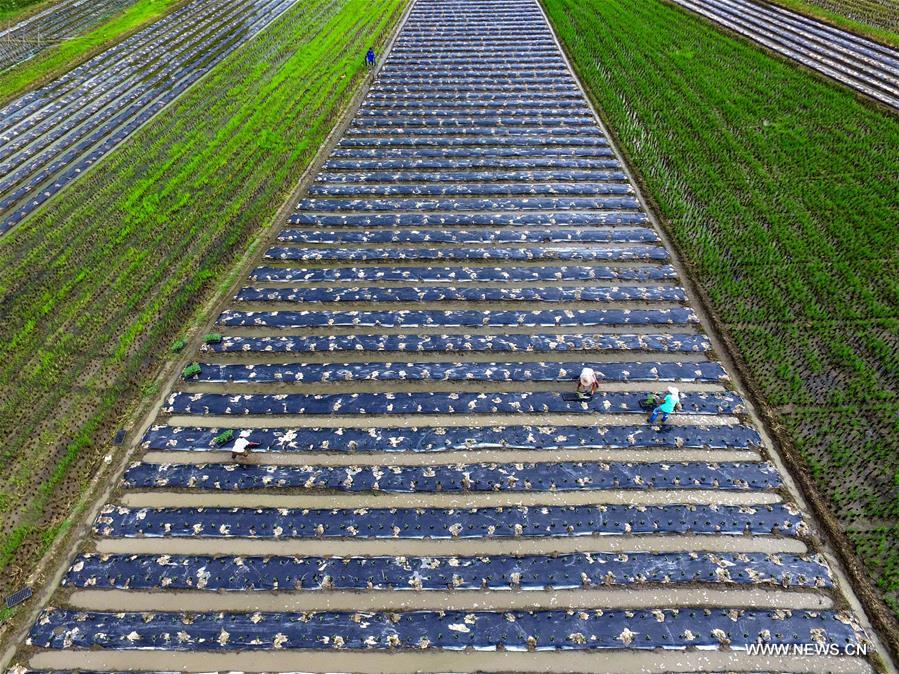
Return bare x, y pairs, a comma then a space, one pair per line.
671, 401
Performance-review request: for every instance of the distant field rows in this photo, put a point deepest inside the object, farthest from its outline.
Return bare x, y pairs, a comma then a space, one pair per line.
863, 65
49, 137
65, 55
780, 190
96, 287
876, 19
63, 19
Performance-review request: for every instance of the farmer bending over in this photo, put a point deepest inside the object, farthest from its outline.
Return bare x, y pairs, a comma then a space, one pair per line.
370, 57
588, 382
668, 405
239, 450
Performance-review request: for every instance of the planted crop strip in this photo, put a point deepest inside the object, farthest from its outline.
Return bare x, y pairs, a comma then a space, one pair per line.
799, 264
62, 20
442, 198
49, 137
868, 67
70, 372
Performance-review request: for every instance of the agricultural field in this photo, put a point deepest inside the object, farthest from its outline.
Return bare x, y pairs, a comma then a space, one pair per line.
865, 66
876, 19
96, 287
779, 190
82, 42
420, 434
24, 39
15, 9
53, 135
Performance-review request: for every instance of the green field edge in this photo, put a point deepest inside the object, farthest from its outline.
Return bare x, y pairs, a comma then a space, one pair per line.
72, 52
676, 106
323, 28
16, 14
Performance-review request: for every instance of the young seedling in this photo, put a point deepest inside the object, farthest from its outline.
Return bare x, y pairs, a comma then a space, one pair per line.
223, 437
191, 371
179, 345
212, 338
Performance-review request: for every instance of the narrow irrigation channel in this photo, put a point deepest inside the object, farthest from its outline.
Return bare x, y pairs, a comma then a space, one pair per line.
49, 137
868, 67
422, 491
27, 38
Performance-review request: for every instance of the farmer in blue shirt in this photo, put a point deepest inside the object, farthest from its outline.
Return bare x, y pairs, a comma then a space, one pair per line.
370, 57
671, 401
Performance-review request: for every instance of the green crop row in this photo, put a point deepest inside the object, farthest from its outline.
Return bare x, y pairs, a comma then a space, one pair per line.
878, 547
96, 287
779, 189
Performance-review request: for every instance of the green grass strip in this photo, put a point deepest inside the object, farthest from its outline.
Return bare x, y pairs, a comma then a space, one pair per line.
15, 10
779, 188
97, 286
71, 53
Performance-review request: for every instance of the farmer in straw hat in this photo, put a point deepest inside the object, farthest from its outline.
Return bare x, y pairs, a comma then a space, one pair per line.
239, 450
667, 406
587, 383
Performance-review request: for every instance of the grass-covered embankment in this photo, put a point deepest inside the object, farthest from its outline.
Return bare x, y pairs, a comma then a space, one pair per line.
95, 287
779, 189
70, 53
